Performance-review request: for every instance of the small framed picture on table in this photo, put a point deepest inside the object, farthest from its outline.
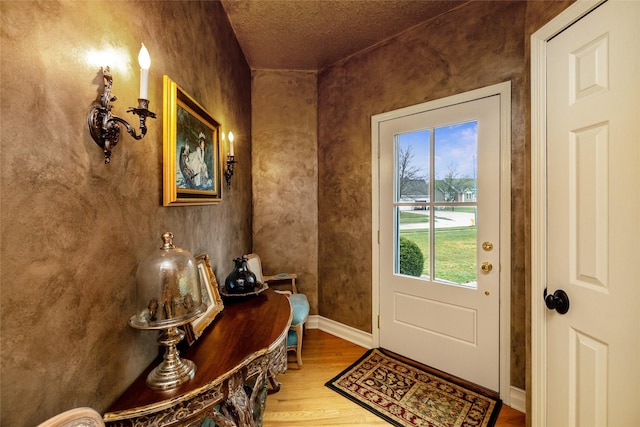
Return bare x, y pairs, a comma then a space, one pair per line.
210, 297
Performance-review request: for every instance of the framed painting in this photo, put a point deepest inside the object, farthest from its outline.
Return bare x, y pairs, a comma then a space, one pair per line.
192, 169
210, 297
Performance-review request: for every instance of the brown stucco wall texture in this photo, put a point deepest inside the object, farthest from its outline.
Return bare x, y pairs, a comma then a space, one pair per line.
285, 175
476, 45
74, 229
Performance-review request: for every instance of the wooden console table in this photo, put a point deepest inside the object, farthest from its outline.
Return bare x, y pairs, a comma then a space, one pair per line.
235, 356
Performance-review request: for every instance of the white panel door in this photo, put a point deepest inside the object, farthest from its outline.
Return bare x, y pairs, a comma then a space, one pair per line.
593, 219
442, 191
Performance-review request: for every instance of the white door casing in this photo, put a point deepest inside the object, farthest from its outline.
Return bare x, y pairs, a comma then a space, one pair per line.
585, 216
501, 193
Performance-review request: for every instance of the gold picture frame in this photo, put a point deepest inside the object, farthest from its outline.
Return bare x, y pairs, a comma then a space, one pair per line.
210, 297
192, 170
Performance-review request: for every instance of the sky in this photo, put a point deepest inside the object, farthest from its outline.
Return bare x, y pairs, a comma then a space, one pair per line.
454, 144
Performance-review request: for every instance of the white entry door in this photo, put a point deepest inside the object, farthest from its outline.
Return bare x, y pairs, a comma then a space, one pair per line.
439, 202
590, 372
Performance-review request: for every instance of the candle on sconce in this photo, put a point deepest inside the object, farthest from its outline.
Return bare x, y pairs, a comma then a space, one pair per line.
231, 143
145, 62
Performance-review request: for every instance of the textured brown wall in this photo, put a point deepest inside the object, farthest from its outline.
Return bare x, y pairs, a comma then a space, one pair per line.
285, 175
476, 45
75, 229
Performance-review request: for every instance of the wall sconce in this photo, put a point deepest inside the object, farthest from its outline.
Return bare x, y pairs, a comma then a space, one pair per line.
230, 161
104, 126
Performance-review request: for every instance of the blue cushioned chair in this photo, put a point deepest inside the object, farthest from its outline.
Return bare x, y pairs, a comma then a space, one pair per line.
299, 303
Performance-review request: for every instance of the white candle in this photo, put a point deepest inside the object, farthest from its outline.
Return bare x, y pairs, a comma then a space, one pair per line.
230, 143
145, 62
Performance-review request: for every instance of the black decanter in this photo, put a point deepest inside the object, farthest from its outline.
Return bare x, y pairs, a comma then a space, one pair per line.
241, 280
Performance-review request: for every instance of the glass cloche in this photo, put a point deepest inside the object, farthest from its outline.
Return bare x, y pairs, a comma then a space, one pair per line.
168, 288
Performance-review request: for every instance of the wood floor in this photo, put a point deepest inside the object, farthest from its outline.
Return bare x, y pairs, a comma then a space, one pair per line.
304, 400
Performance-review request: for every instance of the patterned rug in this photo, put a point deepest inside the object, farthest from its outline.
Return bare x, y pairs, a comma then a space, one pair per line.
405, 395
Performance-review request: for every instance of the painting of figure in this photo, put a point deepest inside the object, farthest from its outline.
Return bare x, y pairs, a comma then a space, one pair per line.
191, 171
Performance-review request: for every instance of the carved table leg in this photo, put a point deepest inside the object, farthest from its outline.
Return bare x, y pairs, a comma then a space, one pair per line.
219, 419
275, 384
277, 366
238, 402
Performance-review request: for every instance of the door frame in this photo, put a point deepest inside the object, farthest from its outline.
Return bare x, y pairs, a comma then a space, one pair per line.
504, 90
538, 383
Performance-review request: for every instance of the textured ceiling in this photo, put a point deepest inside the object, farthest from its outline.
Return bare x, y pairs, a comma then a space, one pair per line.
312, 34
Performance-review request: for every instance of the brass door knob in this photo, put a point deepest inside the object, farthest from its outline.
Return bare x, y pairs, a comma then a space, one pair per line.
486, 267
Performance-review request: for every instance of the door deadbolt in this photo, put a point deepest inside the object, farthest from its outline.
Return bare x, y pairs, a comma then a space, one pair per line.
486, 267
487, 246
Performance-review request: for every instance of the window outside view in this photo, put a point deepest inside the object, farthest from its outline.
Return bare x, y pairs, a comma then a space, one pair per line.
449, 155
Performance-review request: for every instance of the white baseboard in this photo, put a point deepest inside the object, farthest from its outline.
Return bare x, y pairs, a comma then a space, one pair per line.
312, 322
518, 399
347, 333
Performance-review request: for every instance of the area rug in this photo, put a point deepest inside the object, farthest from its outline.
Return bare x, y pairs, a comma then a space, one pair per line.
407, 396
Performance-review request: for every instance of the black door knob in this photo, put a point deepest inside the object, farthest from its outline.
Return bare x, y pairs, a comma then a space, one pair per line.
559, 301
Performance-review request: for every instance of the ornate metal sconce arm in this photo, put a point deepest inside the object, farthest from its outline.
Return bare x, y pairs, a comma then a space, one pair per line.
103, 125
143, 112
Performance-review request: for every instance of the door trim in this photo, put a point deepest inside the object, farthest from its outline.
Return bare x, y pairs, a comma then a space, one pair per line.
538, 382
504, 90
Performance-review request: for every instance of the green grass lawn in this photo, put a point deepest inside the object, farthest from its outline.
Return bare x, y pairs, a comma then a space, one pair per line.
455, 249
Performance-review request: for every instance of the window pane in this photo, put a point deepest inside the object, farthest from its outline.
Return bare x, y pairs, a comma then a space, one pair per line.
455, 246
412, 167
413, 244
456, 154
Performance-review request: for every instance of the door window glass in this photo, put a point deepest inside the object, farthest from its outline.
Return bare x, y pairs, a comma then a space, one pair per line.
436, 190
